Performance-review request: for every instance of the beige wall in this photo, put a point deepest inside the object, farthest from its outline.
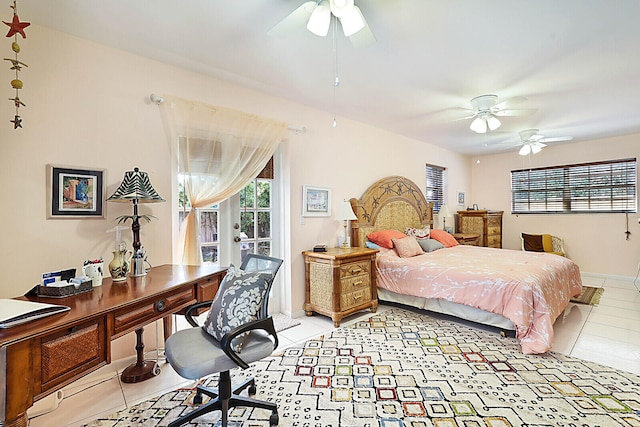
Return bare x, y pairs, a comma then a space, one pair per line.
596, 242
87, 107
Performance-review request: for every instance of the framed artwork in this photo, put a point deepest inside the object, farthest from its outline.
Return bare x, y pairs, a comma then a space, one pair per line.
461, 198
75, 192
316, 201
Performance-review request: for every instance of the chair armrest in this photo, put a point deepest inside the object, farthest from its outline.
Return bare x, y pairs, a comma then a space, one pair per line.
188, 312
265, 324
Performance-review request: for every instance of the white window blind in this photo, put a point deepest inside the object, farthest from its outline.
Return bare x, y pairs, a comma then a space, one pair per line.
607, 186
435, 185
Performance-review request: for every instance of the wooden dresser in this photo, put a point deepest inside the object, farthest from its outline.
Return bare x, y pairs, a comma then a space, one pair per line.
340, 282
488, 224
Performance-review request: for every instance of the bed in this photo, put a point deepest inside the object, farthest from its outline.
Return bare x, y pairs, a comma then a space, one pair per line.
508, 289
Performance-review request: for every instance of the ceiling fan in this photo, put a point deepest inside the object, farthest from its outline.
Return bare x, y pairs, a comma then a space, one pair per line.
486, 110
317, 15
533, 142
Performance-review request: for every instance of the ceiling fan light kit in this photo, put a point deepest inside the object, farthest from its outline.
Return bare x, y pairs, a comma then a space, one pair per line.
320, 19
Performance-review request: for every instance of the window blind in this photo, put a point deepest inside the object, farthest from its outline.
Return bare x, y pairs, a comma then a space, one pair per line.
435, 185
607, 186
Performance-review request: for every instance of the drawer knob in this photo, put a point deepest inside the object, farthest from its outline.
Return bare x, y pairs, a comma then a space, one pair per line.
357, 283
160, 305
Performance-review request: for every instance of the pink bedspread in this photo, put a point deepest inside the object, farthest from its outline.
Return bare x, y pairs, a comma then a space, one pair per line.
529, 288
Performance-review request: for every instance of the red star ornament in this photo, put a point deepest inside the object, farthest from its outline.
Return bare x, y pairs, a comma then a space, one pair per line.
17, 27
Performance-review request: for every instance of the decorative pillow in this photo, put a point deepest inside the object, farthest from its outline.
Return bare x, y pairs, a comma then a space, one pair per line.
407, 247
371, 245
383, 237
238, 301
445, 238
418, 233
430, 245
533, 242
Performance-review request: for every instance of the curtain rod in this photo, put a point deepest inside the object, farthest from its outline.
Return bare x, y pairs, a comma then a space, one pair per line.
156, 99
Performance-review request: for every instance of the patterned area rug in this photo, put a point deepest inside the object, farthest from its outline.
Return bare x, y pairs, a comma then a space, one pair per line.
589, 295
403, 369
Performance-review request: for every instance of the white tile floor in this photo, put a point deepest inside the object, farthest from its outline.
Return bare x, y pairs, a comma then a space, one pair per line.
608, 334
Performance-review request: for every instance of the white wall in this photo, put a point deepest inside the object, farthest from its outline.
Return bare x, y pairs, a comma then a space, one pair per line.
596, 242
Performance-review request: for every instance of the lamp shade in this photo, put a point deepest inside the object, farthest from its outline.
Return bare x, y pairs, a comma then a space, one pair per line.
444, 212
136, 186
320, 19
345, 212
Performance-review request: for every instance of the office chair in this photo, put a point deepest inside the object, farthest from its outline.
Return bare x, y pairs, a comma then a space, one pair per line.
200, 351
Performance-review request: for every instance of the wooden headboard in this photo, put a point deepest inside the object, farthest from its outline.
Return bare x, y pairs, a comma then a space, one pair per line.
392, 203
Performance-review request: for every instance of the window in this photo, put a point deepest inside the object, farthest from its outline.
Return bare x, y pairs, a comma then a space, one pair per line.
435, 186
255, 218
209, 221
608, 186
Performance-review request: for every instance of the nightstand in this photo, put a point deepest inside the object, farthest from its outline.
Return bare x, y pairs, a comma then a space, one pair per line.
340, 282
467, 238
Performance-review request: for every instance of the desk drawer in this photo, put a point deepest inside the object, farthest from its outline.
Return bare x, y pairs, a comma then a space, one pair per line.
131, 318
72, 352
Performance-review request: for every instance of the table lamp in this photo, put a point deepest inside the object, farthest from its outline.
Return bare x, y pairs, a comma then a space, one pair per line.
443, 214
135, 188
345, 213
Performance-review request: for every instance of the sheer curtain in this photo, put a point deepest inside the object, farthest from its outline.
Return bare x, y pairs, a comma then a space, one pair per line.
219, 151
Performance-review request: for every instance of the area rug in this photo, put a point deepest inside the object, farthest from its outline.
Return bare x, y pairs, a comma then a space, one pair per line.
404, 369
589, 295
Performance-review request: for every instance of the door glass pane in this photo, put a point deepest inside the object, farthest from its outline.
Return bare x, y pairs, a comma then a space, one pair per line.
247, 196
247, 221
210, 253
208, 226
264, 224
246, 248
264, 248
264, 194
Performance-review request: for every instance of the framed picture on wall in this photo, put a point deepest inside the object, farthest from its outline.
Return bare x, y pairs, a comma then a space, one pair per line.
461, 198
75, 192
316, 201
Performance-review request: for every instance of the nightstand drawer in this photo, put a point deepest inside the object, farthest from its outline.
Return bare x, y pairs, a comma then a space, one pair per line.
353, 299
352, 284
354, 269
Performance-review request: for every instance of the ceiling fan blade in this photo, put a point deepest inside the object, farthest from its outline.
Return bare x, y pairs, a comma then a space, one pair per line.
511, 113
295, 20
509, 101
465, 118
364, 37
556, 139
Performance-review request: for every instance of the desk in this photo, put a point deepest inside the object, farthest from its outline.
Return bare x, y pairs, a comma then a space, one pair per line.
42, 356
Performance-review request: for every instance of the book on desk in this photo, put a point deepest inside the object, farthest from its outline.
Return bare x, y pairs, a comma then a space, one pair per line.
16, 312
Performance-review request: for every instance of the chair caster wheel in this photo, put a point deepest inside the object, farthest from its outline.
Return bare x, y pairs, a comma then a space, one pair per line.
252, 390
274, 419
197, 399
156, 370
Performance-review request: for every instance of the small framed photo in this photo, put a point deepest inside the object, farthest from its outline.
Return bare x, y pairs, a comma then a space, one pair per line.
75, 192
316, 201
461, 198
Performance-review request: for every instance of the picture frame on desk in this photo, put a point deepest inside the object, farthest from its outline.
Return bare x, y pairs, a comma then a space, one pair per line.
74, 192
316, 201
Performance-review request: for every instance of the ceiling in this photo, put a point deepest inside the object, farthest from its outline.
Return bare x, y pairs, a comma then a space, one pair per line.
576, 61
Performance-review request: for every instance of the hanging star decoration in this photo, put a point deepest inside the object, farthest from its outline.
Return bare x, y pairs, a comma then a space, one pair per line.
16, 27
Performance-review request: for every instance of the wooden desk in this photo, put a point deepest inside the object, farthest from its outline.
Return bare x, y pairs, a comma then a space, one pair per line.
42, 356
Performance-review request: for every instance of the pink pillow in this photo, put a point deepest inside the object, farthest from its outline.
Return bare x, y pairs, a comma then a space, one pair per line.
443, 237
407, 247
383, 237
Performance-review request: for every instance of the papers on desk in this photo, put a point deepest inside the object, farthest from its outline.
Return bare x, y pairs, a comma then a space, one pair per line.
15, 312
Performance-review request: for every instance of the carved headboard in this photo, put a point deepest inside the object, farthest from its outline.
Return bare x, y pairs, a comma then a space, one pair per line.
392, 203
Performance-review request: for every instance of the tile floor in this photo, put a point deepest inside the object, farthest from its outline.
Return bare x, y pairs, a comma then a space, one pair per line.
608, 334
